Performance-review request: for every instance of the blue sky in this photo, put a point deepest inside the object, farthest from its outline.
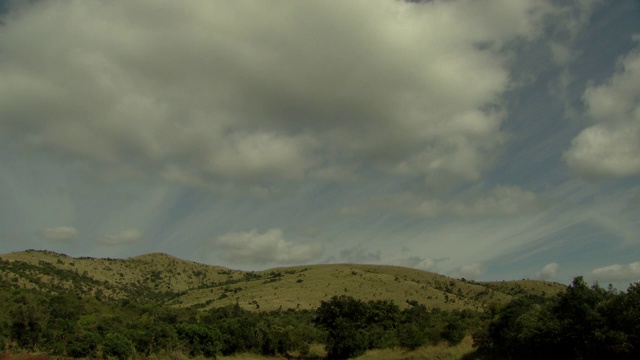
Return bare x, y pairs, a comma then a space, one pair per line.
491, 139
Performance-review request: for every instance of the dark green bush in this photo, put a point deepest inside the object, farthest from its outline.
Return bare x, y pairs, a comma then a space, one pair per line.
118, 346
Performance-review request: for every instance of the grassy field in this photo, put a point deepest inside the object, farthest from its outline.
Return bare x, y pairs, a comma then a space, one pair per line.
432, 352
184, 283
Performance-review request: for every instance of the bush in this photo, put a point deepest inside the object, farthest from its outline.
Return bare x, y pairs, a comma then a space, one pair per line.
82, 346
582, 323
410, 336
346, 340
117, 346
453, 333
201, 339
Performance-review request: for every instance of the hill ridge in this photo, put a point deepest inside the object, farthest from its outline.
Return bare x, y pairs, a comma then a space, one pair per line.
163, 278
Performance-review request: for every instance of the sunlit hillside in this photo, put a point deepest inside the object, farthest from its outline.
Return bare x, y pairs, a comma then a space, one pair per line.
172, 281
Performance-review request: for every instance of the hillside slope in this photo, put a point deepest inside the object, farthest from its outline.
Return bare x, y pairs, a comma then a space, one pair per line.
168, 280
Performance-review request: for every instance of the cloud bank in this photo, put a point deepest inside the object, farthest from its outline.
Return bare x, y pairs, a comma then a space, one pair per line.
549, 271
60, 233
471, 271
229, 96
618, 272
610, 148
254, 248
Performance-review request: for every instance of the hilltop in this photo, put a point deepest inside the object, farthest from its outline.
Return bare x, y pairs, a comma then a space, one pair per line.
168, 280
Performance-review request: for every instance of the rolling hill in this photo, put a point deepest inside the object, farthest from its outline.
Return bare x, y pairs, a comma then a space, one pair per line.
172, 281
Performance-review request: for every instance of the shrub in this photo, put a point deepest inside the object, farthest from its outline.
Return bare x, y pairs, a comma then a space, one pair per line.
118, 346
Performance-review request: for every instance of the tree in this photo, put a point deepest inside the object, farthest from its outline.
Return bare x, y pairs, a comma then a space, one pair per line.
582, 323
411, 336
344, 318
118, 346
28, 322
453, 333
582, 326
201, 339
346, 340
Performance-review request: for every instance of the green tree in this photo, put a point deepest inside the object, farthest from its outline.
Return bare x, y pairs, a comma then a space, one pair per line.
453, 333
82, 344
118, 346
582, 323
346, 340
344, 318
64, 312
28, 321
628, 310
583, 330
411, 336
152, 337
382, 319
200, 339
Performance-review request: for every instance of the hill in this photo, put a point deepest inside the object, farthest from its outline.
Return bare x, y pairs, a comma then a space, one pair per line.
171, 281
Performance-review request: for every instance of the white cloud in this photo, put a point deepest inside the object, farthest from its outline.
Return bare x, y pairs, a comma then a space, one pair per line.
125, 237
611, 146
422, 263
471, 271
60, 233
221, 94
618, 272
549, 271
255, 248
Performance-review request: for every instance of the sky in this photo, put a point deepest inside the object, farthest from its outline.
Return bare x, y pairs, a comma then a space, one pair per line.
484, 139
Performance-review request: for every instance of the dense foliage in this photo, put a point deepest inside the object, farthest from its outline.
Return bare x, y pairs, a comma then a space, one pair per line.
583, 323
354, 326
69, 326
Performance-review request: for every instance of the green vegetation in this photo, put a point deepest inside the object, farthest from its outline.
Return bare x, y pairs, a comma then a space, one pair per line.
69, 326
353, 326
165, 280
582, 323
156, 306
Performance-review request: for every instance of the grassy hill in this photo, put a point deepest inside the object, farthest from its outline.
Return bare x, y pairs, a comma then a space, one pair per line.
171, 281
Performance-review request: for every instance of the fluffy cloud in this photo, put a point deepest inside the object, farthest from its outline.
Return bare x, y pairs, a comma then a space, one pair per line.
611, 146
241, 94
618, 272
499, 201
471, 271
549, 271
125, 237
417, 262
255, 248
60, 233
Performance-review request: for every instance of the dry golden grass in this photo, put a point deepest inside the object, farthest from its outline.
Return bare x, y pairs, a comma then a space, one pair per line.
440, 351
305, 287
301, 287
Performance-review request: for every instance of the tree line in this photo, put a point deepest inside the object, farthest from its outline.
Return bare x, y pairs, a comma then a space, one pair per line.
584, 322
70, 326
